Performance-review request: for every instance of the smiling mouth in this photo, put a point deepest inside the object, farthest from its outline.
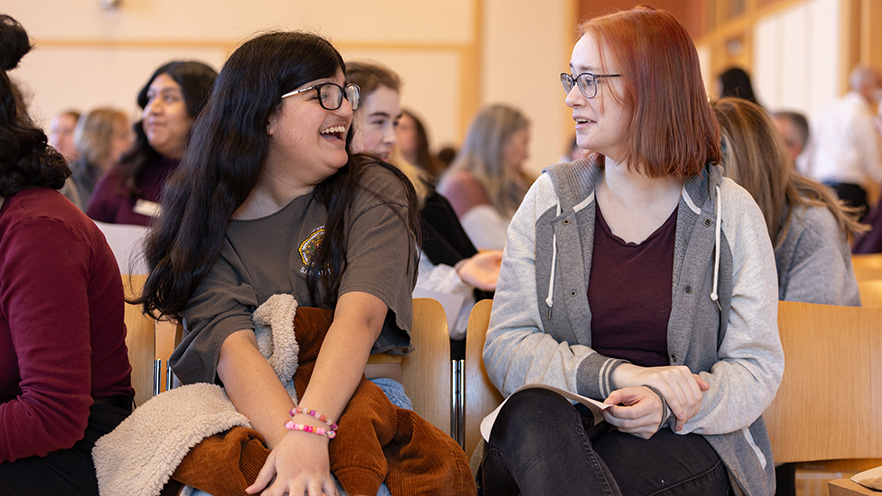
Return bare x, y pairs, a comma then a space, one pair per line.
335, 131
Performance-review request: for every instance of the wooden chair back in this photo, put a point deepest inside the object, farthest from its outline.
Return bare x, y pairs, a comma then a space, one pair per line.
481, 396
426, 373
867, 267
140, 340
148, 341
871, 293
829, 405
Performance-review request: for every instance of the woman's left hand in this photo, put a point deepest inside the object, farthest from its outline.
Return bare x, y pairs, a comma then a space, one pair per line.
680, 387
635, 410
299, 464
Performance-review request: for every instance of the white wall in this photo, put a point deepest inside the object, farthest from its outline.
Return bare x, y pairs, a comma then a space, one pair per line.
797, 57
527, 45
86, 56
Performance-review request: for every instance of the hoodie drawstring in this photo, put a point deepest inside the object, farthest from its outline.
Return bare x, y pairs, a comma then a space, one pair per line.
549, 300
714, 296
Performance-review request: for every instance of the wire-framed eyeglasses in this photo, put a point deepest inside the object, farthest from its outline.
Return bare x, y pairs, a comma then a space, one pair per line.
331, 94
586, 81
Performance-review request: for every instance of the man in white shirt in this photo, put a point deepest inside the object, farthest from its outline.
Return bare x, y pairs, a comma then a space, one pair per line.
845, 154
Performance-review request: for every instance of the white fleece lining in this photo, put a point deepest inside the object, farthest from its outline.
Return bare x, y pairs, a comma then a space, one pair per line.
756, 450
584, 203
691, 204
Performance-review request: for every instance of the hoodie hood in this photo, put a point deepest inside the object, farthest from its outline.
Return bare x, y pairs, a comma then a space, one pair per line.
581, 176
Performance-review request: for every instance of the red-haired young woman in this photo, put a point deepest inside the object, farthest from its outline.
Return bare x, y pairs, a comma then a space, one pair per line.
654, 285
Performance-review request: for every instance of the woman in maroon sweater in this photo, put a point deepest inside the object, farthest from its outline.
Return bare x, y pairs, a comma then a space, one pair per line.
171, 100
64, 370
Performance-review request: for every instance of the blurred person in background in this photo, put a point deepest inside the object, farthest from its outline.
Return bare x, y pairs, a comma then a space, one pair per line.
449, 264
413, 144
808, 226
61, 137
735, 82
845, 151
486, 183
794, 129
171, 100
101, 137
61, 133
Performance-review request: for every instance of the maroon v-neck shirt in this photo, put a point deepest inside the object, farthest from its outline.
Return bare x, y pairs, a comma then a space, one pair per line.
629, 293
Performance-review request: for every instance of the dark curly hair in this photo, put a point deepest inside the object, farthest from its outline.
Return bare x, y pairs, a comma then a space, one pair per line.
26, 160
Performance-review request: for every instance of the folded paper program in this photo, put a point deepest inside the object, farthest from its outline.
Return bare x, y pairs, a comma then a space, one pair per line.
870, 478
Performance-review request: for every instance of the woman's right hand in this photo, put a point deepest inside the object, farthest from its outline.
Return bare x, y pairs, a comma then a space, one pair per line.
299, 464
680, 387
481, 270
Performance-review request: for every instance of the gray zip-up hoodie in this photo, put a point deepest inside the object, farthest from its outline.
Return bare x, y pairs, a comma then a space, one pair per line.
723, 322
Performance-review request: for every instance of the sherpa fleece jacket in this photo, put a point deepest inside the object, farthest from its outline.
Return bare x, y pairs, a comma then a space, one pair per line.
723, 322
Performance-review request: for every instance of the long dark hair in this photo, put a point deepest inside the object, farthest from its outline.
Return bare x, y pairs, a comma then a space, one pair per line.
433, 166
26, 161
735, 82
224, 159
195, 79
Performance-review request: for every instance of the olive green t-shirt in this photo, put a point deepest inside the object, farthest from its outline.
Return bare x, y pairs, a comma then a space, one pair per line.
271, 255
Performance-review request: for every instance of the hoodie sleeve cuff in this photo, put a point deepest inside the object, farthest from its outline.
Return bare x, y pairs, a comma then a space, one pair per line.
593, 375
667, 418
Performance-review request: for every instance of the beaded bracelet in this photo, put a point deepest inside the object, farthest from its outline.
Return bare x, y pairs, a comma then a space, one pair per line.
321, 431
299, 409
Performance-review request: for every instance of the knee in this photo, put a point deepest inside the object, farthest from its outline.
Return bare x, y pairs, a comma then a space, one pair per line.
533, 411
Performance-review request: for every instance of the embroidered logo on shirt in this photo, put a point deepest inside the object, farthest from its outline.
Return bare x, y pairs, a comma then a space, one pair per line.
310, 245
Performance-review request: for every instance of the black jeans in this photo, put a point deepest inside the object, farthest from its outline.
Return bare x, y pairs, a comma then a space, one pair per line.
540, 445
67, 472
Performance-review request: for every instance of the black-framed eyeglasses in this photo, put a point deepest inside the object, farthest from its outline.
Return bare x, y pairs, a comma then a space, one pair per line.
331, 94
586, 81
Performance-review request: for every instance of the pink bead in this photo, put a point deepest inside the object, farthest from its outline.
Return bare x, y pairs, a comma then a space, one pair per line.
299, 409
295, 426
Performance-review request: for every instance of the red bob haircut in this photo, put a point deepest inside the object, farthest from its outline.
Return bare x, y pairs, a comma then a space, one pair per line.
673, 131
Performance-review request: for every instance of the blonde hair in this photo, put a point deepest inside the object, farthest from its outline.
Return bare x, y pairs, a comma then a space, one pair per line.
482, 156
94, 133
416, 176
754, 156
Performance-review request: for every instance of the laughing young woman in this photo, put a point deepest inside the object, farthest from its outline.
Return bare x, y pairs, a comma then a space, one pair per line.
267, 195
654, 286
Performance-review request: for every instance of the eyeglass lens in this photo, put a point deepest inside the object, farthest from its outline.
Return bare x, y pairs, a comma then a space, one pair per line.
588, 84
331, 96
586, 81
353, 94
